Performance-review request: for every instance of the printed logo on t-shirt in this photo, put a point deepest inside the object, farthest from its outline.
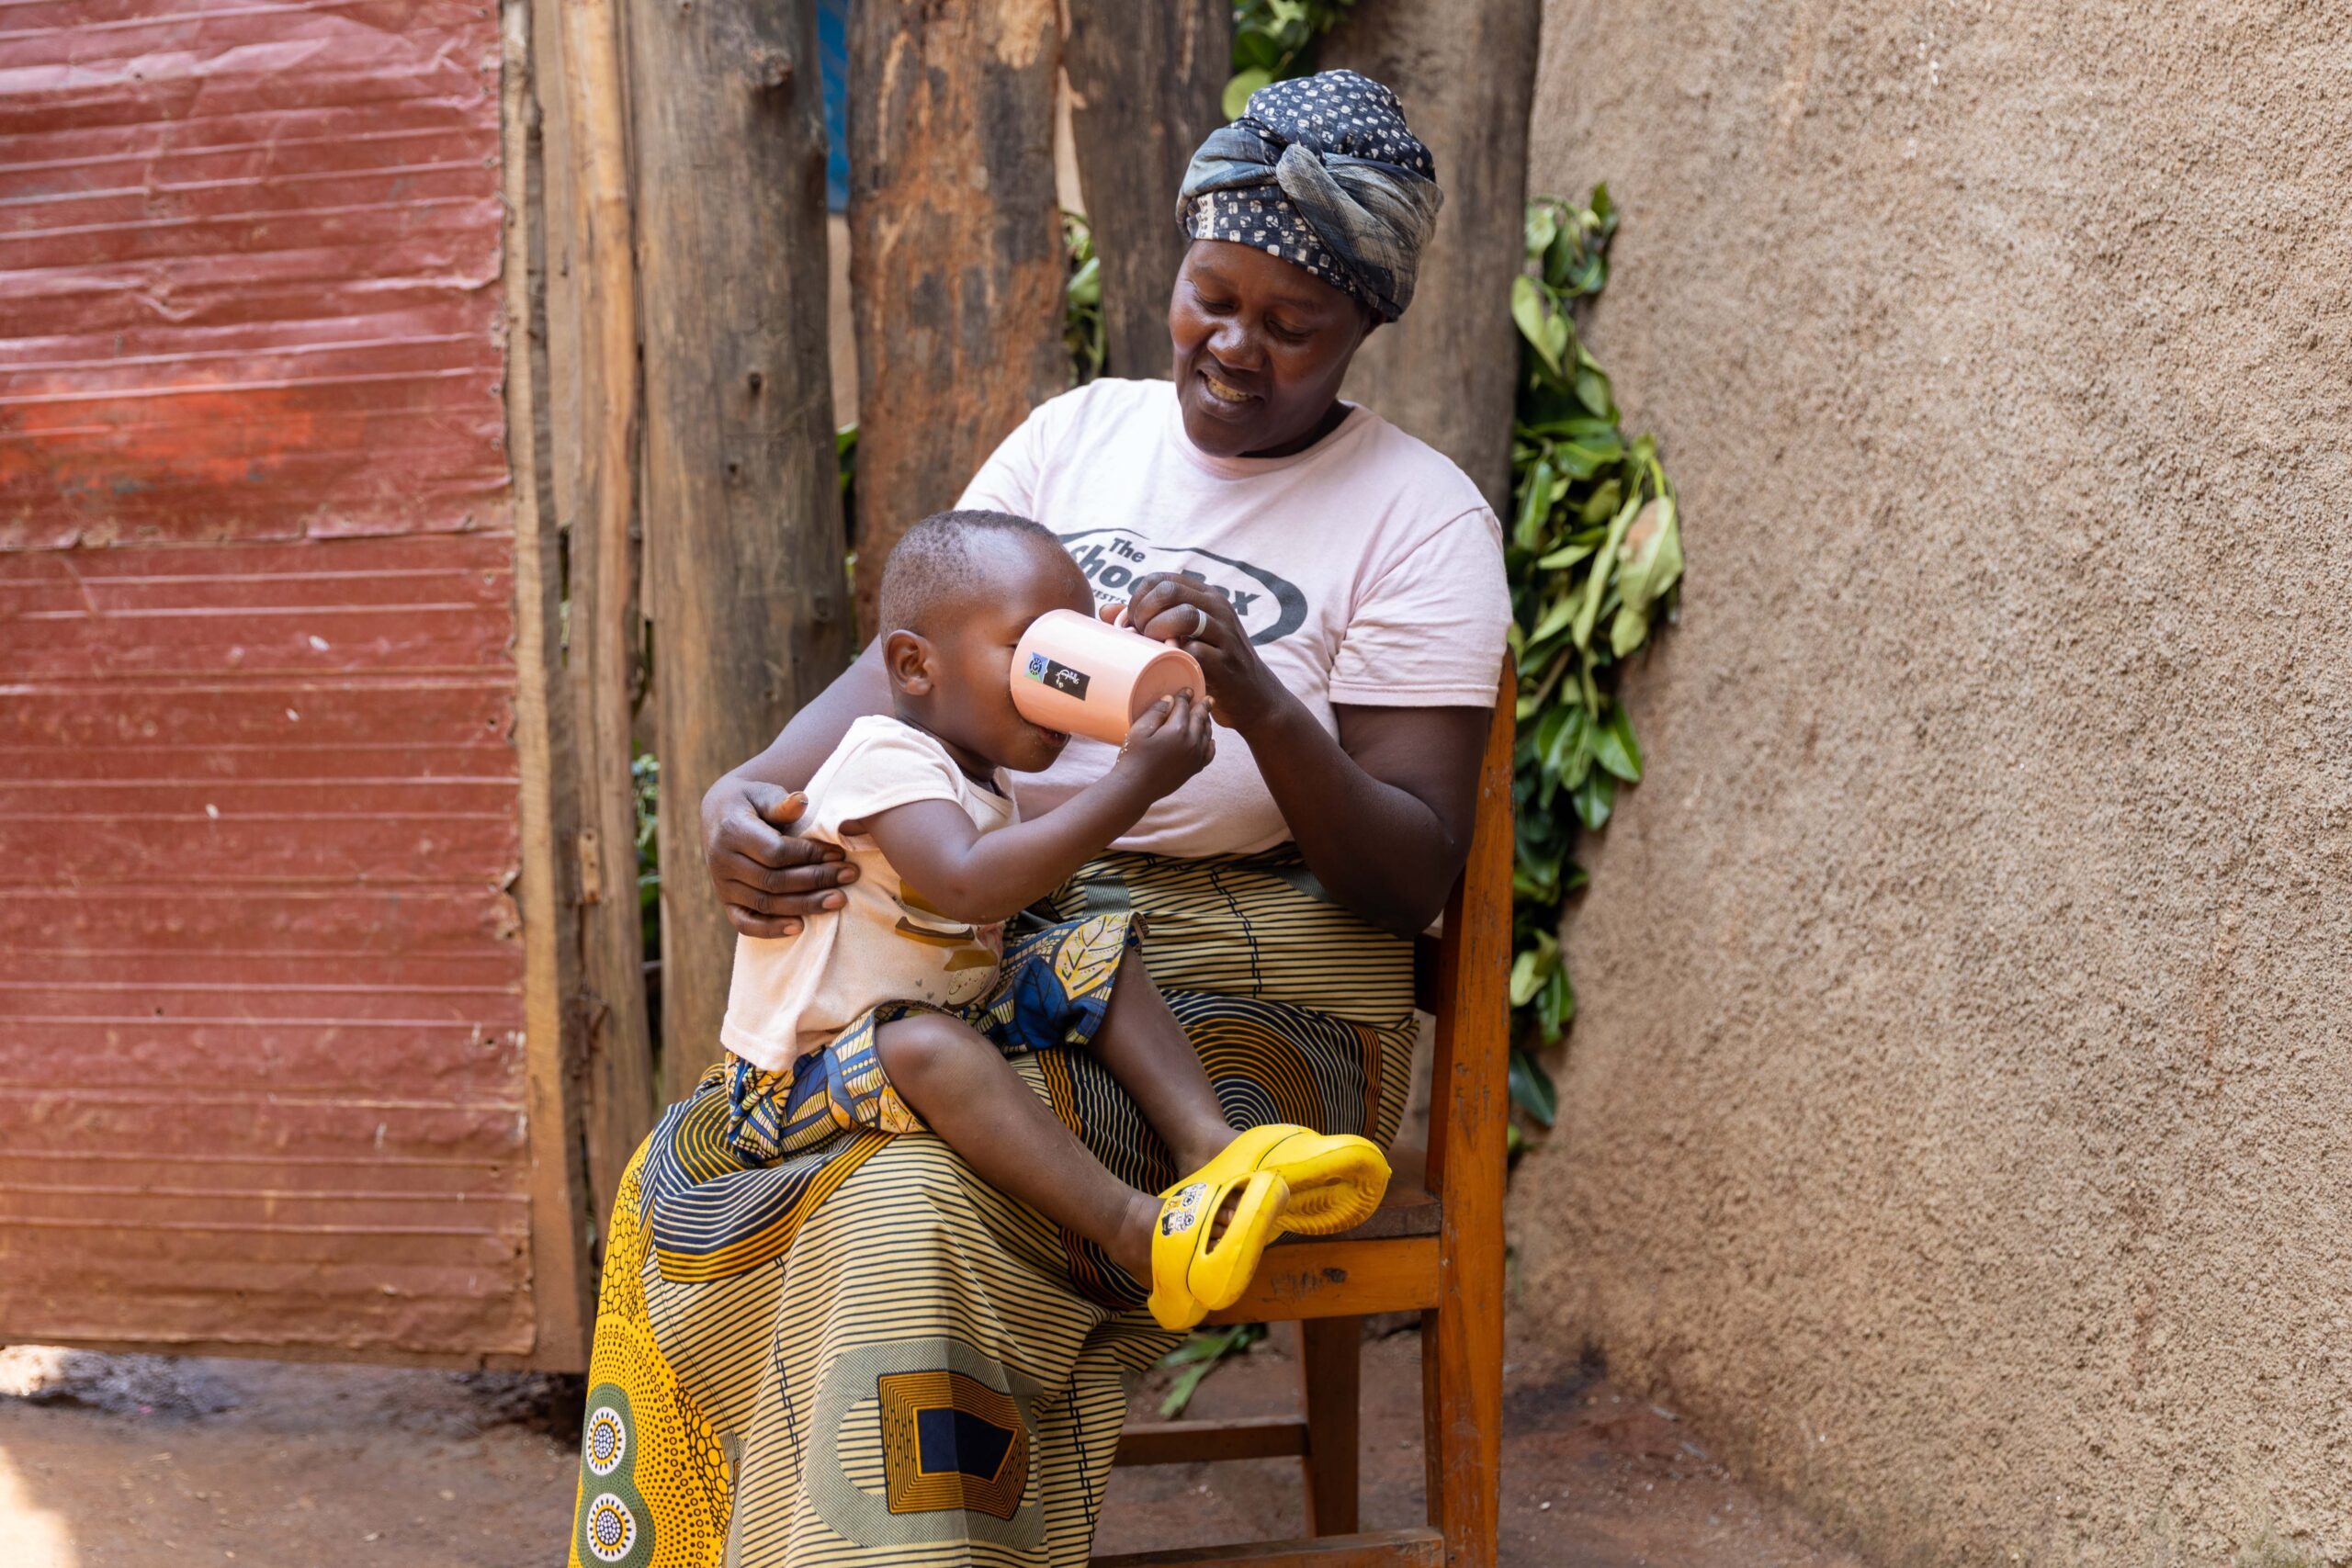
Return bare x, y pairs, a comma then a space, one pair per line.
1270, 608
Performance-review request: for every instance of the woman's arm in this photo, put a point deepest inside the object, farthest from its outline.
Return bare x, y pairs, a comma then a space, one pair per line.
766, 879
1381, 812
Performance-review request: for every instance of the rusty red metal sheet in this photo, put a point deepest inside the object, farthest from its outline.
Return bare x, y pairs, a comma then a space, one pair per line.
262, 1075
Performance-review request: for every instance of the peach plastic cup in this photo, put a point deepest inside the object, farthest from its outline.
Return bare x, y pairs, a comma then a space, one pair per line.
1072, 673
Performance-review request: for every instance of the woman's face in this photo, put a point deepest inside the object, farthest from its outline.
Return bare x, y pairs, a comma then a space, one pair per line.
1261, 346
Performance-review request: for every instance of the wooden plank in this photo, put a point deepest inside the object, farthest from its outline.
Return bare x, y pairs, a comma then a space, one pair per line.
1339, 1279
1461, 1345
562, 1212
1145, 84
592, 377
955, 244
1330, 1375
1190, 1442
1373, 1549
1466, 72
748, 588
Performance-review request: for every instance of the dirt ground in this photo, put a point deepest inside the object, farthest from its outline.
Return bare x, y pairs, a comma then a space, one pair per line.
145, 1462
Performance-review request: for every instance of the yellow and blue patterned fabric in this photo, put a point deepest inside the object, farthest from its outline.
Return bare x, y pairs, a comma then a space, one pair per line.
1051, 989
854, 1353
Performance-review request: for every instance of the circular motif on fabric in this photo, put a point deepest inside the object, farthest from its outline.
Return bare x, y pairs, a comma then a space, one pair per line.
612, 1529
606, 1440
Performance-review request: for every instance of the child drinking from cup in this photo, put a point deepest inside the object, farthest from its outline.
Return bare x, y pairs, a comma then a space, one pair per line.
896, 1011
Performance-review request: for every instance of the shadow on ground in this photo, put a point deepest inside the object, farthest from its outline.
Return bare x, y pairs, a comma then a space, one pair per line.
111, 1462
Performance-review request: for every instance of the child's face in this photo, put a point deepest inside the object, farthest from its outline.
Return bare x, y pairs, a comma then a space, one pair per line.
964, 672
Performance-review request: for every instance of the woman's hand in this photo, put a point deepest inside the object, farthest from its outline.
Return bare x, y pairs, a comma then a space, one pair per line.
1198, 619
767, 880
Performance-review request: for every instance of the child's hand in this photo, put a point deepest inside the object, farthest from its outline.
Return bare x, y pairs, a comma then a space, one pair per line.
1175, 739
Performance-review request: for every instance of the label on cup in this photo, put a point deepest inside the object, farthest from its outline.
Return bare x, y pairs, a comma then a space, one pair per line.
1059, 676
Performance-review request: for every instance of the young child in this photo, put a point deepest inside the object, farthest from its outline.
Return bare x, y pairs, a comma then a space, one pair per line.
896, 1011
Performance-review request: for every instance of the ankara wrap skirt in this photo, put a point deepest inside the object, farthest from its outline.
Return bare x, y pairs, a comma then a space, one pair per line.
838, 1349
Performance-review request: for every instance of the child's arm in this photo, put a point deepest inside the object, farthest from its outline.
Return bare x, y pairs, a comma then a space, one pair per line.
966, 875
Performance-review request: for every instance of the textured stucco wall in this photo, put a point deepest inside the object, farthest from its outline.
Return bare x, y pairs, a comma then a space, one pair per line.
1960, 1124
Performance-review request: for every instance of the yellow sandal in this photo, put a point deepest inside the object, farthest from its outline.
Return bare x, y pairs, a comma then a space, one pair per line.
1196, 1268
1335, 1182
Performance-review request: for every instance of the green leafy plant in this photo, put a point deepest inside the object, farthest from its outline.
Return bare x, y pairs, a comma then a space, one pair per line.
1198, 1356
645, 797
1594, 552
1273, 39
1081, 301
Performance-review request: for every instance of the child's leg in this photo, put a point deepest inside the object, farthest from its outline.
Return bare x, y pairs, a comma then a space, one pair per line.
1147, 1052
958, 1083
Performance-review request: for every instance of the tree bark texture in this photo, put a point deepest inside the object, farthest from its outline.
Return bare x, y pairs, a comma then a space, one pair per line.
1145, 84
955, 246
593, 429
1466, 73
749, 594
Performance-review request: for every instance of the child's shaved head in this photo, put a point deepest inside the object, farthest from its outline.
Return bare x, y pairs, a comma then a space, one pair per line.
949, 558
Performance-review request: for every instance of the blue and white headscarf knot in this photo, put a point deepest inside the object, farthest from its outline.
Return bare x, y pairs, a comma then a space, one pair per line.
1321, 171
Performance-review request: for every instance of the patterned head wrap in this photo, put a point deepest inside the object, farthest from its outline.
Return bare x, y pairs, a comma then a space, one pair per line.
1321, 171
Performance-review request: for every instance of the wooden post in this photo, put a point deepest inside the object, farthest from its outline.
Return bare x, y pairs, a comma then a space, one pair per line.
592, 412
1145, 84
955, 246
547, 883
748, 587
1466, 73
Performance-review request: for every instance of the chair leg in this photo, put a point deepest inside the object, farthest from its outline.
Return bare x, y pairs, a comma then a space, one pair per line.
1462, 1400
1332, 1373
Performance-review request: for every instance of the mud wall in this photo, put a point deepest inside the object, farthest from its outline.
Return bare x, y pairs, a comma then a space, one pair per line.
1959, 1121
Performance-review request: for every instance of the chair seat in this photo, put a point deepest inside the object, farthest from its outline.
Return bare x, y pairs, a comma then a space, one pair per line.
1409, 1209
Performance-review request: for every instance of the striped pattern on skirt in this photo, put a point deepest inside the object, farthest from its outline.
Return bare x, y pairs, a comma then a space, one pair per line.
868, 1357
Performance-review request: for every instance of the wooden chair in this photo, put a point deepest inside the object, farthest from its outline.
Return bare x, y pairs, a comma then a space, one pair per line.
1435, 1248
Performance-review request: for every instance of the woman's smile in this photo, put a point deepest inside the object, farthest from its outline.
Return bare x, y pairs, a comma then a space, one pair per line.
1225, 391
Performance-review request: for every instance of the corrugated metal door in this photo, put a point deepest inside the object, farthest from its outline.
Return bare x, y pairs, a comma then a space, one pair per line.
261, 1065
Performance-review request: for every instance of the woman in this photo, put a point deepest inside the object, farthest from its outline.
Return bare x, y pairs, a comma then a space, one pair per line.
862, 1354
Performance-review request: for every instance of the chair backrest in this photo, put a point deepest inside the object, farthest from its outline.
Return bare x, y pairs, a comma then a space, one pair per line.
1470, 1076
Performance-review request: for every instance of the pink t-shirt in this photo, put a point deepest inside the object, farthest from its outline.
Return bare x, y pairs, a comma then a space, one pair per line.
1368, 569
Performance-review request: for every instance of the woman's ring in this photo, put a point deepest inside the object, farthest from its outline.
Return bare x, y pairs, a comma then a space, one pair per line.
1199, 622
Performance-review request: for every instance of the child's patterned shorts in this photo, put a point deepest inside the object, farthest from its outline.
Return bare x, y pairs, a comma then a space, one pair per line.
1051, 990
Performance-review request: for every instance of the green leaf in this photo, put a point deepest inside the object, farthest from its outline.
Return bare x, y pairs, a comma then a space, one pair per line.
1566, 556
1598, 582
1255, 49
1534, 505
1199, 1356
1527, 309
1628, 629
1543, 225
1593, 798
1525, 979
1553, 1005
1571, 746
1614, 748
1556, 617
1531, 1090
1651, 554
1592, 392
1244, 82
1085, 286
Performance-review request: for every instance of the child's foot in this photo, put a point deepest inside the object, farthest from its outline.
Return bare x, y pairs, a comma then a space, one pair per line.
1206, 1238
